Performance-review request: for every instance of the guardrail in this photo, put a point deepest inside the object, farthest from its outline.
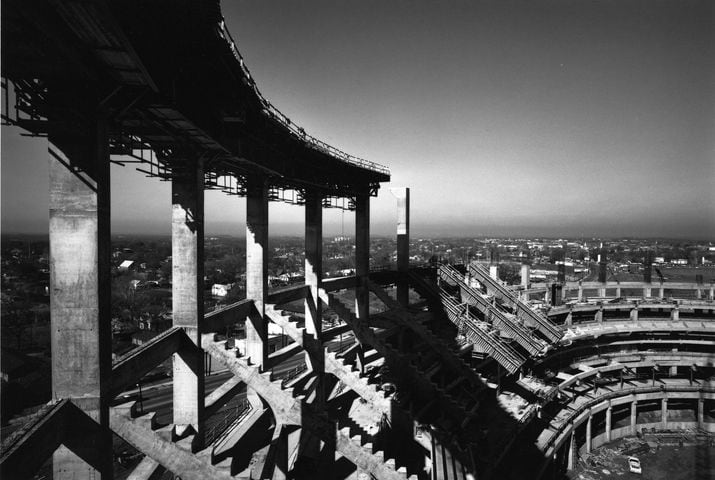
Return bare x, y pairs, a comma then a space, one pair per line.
216, 431
298, 132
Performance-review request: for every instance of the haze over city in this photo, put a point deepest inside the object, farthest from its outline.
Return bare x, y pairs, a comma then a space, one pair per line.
512, 118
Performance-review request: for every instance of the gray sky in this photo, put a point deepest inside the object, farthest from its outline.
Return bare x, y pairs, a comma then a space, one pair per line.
523, 118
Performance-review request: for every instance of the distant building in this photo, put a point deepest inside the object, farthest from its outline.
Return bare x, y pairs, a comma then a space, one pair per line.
126, 265
220, 289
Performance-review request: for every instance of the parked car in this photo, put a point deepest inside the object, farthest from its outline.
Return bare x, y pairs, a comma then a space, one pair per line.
634, 465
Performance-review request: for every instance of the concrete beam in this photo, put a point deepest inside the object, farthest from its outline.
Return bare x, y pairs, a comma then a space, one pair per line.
130, 368
61, 424
187, 260
40, 438
216, 399
283, 354
217, 320
341, 283
288, 294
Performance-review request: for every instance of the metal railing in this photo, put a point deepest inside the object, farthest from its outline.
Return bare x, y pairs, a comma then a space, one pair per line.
292, 373
217, 430
272, 112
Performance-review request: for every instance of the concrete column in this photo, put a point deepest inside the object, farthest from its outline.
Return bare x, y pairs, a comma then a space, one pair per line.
675, 313
313, 278
664, 412
647, 291
569, 319
80, 286
572, 452
661, 293
403, 243
362, 266
699, 293
701, 412
711, 296
602, 291
618, 292
187, 278
525, 275
494, 271
362, 255
588, 433
608, 423
580, 293
257, 267
634, 314
634, 416
599, 315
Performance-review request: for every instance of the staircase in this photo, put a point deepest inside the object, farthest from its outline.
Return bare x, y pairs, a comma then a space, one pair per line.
159, 444
482, 335
542, 324
499, 319
426, 401
290, 410
351, 377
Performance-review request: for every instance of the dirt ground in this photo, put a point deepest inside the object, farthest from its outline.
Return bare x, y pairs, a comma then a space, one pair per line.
658, 463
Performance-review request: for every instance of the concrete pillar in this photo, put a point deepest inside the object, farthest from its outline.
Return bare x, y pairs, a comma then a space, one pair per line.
362, 266
711, 296
646, 292
598, 317
494, 271
634, 314
580, 293
403, 243
187, 278
439, 471
675, 313
571, 462
362, 255
602, 291
525, 275
313, 278
556, 292
634, 416
701, 412
257, 267
618, 292
661, 293
80, 286
608, 423
664, 412
699, 293
569, 318
588, 433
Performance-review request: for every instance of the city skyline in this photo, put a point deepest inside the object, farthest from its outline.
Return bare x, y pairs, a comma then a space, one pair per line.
504, 118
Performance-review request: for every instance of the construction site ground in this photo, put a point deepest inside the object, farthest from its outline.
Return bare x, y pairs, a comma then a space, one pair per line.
671, 462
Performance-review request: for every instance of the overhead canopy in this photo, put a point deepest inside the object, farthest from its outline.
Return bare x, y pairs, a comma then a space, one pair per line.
168, 77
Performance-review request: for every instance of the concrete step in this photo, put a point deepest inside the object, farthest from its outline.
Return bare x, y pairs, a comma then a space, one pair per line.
172, 456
